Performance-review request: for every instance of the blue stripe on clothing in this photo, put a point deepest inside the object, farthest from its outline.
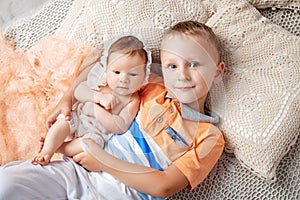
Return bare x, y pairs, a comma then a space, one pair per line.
139, 138
124, 147
121, 148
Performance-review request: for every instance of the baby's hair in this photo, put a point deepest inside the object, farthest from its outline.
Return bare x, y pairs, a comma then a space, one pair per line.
195, 28
128, 45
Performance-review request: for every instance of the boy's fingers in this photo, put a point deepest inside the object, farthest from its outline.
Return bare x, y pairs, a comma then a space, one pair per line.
77, 158
66, 113
42, 140
52, 118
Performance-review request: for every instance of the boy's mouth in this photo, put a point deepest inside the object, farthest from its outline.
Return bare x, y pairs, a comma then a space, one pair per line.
184, 88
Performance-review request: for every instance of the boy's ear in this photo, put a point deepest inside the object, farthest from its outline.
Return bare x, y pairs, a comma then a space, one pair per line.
219, 72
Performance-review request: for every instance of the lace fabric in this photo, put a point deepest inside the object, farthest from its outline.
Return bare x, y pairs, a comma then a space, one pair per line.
261, 86
262, 4
27, 31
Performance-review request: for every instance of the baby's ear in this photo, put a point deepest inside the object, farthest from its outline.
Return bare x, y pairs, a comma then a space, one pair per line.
219, 72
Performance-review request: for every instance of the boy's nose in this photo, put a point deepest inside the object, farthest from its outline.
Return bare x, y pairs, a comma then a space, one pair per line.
184, 73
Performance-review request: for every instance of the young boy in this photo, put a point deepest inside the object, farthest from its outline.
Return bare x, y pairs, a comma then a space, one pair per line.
171, 145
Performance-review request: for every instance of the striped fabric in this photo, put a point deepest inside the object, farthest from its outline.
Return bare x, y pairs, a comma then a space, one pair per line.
137, 147
160, 136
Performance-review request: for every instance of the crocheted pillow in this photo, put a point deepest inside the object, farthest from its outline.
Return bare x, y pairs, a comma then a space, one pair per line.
291, 4
96, 21
262, 86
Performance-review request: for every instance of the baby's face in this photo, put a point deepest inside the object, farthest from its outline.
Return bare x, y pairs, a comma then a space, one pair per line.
125, 73
189, 67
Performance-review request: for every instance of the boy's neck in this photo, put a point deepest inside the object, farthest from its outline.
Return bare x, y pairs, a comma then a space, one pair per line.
197, 106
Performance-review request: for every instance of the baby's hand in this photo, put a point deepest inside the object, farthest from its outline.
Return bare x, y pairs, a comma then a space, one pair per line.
106, 100
89, 108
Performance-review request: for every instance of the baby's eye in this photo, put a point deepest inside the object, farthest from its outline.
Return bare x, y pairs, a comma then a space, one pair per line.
194, 64
116, 72
171, 66
133, 74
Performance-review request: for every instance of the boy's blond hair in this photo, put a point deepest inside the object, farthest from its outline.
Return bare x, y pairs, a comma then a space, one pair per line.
197, 29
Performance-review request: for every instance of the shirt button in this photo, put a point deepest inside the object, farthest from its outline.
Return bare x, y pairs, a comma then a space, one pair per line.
160, 120
171, 110
177, 103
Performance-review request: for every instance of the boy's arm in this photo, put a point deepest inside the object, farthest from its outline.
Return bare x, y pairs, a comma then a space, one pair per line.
64, 106
144, 179
116, 123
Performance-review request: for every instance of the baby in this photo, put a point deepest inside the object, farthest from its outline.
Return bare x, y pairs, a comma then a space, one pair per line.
115, 90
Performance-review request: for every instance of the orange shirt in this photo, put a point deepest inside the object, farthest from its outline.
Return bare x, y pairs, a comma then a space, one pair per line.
193, 146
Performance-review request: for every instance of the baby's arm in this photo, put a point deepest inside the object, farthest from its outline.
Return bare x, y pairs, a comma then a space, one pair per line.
124, 119
115, 123
119, 123
84, 93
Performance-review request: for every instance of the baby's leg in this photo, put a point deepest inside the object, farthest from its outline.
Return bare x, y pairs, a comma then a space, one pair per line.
70, 148
54, 139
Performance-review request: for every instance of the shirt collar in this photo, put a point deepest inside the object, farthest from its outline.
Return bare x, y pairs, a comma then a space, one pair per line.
193, 115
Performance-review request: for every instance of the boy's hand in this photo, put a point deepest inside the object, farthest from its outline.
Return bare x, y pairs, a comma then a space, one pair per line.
87, 161
42, 141
63, 107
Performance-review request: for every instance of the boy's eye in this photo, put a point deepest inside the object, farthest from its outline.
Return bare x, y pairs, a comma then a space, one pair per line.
194, 64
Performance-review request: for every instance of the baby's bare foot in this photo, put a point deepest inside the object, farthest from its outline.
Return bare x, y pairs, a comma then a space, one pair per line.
43, 158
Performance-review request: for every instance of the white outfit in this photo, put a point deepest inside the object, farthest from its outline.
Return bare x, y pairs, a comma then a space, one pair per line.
60, 180
65, 179
85, 126
89, 127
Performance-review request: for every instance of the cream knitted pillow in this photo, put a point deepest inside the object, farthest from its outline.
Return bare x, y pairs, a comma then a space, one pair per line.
262, 86
96, 21
290, 4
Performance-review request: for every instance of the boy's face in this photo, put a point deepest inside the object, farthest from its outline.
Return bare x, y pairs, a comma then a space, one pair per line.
189, 66
125, 74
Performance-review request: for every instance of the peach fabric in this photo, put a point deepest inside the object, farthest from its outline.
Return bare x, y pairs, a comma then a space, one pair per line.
31, 84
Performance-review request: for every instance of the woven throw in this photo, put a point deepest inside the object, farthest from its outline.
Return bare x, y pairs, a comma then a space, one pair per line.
286, 18
94, 22
26, 32
262, 86
286, 4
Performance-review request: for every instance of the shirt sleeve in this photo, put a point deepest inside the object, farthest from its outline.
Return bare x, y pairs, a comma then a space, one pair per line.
199, 159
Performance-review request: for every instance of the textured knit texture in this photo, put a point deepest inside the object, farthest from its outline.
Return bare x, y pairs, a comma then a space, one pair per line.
94, 22
289, 4
262, 86
43, 23
286, 18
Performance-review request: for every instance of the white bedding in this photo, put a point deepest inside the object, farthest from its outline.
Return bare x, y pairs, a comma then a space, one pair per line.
11, 10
